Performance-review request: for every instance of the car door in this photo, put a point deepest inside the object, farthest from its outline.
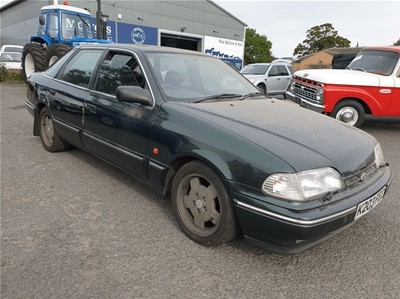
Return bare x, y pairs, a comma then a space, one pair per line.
68, 91
116, 131
283, 77
273, 80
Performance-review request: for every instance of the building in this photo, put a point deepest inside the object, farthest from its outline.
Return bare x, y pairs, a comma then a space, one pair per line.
199, 25
325, 59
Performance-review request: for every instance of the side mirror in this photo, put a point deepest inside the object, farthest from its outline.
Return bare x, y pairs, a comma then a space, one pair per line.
134, 94
42, 20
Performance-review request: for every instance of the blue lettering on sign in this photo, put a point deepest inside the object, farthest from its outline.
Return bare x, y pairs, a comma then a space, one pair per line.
137, 34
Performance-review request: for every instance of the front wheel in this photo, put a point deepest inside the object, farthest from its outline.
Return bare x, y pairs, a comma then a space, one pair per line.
350, 112
262, 88
202, 205
51, 141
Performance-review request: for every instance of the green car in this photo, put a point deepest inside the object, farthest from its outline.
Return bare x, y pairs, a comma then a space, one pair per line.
232, 161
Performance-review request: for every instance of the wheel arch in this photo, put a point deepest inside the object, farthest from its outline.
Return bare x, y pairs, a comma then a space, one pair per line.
40, 40
209, 158
36, 120
367, 109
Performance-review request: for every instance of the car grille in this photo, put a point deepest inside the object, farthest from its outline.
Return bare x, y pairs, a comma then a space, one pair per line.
306, 89
361, 175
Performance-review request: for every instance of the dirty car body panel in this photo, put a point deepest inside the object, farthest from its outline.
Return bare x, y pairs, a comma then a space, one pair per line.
190, 107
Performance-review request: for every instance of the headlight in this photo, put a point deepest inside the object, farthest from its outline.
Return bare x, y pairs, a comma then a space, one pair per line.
292, 85
379, 158
303, 186
252, 80
319, 95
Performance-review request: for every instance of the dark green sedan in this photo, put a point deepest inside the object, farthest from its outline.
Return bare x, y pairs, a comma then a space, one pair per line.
232, 161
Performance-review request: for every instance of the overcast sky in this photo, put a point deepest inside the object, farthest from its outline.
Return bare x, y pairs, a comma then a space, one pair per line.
285, 23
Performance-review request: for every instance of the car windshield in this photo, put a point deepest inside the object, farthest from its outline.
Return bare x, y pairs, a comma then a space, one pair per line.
195, 78
255, 69
10, 57
377, 62
76, 26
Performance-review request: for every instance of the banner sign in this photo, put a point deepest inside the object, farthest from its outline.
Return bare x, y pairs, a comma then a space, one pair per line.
226, 49
137, 34
110, 30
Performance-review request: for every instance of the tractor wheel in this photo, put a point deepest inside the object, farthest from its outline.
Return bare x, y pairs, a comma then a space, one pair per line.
33, 59
55, 52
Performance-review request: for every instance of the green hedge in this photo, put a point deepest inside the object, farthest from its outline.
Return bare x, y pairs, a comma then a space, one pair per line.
12, 76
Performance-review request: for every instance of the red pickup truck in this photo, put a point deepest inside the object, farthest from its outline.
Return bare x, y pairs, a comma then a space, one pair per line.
369, 85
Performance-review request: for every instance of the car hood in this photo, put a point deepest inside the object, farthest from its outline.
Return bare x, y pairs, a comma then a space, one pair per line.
302, 138
342, 77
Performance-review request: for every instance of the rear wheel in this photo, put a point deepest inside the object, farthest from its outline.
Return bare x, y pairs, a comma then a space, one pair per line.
55, 52
51, 141
350, 112
33, 59
203, 206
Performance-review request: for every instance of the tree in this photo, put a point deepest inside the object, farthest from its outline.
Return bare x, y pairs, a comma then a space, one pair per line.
397, 43
257, 47
320, 38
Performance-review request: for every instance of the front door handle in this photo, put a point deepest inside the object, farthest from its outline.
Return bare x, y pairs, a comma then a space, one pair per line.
90, 107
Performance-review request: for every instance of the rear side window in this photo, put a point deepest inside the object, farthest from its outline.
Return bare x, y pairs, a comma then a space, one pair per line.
80, 68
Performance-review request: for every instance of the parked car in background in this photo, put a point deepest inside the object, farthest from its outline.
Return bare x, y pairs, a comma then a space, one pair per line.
271, 78
369, 85
10, 56
230, 159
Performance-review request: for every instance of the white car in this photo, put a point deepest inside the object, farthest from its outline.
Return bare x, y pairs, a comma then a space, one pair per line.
10, 57
271, 78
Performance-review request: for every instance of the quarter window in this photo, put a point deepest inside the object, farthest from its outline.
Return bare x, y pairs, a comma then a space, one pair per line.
80, 69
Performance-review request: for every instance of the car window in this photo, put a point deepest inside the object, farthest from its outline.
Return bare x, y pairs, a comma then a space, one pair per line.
273, 71
282, 71
80, 68
119, 69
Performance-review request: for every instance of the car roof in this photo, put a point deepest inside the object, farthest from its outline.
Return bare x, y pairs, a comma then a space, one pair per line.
385, 48
145, 49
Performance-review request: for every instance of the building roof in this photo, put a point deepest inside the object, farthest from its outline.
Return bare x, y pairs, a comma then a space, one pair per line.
331, 51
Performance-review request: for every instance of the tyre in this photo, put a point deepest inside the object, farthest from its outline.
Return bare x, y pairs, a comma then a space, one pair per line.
350, 112
262, 88
33, 59
202, 205
51, 141
55, 52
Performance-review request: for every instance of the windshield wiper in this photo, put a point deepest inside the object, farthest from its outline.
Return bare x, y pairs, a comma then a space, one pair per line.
218, 96
250, 95
360, 69
85, 22
356, 69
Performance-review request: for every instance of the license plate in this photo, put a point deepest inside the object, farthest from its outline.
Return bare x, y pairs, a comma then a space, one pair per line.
367, 205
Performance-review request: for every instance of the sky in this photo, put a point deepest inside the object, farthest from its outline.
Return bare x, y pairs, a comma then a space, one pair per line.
285, 23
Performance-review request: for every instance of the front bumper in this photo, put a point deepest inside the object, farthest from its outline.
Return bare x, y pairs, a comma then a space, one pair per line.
289, 231
305, 103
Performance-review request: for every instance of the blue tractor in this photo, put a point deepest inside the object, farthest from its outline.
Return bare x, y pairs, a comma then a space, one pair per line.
61, 28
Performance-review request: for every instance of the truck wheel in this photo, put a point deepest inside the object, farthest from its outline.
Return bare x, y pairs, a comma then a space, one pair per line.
55, 52
262, 88
202, 205
350, 112
33, 59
